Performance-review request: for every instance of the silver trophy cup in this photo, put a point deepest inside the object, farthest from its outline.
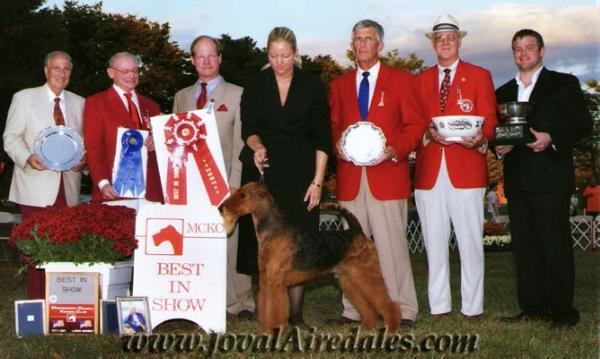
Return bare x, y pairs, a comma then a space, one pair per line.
513, 128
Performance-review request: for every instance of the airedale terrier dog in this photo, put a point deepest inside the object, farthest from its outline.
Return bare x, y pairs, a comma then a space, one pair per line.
287, 257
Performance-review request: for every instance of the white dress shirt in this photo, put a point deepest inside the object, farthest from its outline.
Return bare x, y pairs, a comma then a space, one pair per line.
373, 73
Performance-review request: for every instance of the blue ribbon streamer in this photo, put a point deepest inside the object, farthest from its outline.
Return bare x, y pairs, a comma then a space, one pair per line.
130, 173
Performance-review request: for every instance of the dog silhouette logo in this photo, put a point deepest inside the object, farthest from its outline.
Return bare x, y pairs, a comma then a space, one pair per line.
171, 235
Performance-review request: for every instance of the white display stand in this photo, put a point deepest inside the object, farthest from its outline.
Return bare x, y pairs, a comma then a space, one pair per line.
115, 279
181, 259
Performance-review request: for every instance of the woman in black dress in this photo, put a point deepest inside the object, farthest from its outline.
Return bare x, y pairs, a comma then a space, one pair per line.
286, 128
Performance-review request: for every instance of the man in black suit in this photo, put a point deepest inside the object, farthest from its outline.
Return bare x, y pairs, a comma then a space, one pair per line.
539, 181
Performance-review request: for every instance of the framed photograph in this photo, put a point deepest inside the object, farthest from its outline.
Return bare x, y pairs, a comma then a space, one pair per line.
133, 314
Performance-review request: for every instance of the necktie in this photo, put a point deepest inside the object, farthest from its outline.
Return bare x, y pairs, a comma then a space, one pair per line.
58, 115
133, 112
363, 96
202, 98
445, 89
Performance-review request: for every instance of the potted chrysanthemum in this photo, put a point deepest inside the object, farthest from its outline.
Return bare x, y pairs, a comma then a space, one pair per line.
495, 237
84, 238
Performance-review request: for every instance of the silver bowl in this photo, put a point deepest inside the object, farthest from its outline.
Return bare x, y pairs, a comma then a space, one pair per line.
514, 112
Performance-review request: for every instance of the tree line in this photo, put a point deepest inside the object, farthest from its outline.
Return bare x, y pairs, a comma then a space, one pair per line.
90, 36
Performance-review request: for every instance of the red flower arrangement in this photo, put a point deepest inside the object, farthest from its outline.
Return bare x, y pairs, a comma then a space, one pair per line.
495, 237
93, 233
494, 229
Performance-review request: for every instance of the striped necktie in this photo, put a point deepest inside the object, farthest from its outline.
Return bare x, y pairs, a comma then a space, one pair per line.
445, 89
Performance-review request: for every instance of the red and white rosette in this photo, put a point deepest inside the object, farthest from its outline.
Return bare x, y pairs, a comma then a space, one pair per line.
185, 133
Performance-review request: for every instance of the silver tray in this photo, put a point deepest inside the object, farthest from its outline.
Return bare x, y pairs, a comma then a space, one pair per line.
59, 147
363, 143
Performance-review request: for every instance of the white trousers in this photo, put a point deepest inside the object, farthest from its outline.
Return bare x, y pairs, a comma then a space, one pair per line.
464, 207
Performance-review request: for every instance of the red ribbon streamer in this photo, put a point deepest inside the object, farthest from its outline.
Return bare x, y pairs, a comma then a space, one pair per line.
185, 133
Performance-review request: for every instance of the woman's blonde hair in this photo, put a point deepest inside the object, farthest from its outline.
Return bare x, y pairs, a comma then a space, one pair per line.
282, 33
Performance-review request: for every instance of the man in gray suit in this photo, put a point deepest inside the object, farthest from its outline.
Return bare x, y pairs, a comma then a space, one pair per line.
211, 87
33, 186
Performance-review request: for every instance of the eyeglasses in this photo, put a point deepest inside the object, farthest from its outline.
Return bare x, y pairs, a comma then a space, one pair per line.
442, 38
135, 71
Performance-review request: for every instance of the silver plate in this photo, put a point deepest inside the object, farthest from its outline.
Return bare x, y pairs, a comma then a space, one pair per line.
60, 148
363, 143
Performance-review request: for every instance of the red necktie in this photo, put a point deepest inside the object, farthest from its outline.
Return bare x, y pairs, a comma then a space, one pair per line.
133, 112
445, 89
58, 115
59, 120
202, 98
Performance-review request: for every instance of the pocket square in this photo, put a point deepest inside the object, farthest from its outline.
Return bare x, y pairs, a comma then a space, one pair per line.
222, 108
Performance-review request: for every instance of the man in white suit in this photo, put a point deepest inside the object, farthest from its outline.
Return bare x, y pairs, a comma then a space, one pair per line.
211, 87
33, 186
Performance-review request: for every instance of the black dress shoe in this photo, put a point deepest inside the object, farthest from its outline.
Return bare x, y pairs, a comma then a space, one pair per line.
341, 321
472, 317
523, 317
407, 323
565, 321
440, 315
296, 320
246, 315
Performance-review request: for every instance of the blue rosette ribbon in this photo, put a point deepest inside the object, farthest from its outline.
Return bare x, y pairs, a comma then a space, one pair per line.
130, 173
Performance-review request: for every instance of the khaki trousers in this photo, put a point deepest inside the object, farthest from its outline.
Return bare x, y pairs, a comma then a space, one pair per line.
239, 286
385, 221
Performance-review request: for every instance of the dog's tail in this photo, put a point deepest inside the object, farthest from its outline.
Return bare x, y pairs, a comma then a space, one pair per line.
353, 224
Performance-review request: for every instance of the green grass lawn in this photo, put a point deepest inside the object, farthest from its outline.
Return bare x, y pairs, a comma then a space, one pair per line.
494, 339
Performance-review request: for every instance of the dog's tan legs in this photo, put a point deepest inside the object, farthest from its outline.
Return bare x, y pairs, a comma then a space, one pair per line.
262, 308
369, 281
278, 303
381, 302
275, 305
368, 316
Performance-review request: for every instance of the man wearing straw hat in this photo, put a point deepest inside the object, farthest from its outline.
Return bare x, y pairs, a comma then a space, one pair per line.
451, 177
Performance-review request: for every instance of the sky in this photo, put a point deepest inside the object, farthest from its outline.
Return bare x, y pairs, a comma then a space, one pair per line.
569, 27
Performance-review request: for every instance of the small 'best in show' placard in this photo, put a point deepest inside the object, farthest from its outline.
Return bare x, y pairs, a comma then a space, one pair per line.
72, 302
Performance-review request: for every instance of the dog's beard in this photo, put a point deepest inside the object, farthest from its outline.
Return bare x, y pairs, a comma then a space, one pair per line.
229, 221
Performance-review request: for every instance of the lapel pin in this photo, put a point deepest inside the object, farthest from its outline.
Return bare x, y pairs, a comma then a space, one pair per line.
380, 104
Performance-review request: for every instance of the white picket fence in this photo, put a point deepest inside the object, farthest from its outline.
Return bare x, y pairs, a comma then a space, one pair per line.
584, 230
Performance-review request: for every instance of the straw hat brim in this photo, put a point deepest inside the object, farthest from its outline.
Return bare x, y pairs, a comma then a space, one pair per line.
430, 34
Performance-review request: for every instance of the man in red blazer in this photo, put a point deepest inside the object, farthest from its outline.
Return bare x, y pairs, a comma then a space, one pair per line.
377, 194
451, 178
104, 113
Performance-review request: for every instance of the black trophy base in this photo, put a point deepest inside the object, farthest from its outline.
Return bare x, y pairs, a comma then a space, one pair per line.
513, 135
